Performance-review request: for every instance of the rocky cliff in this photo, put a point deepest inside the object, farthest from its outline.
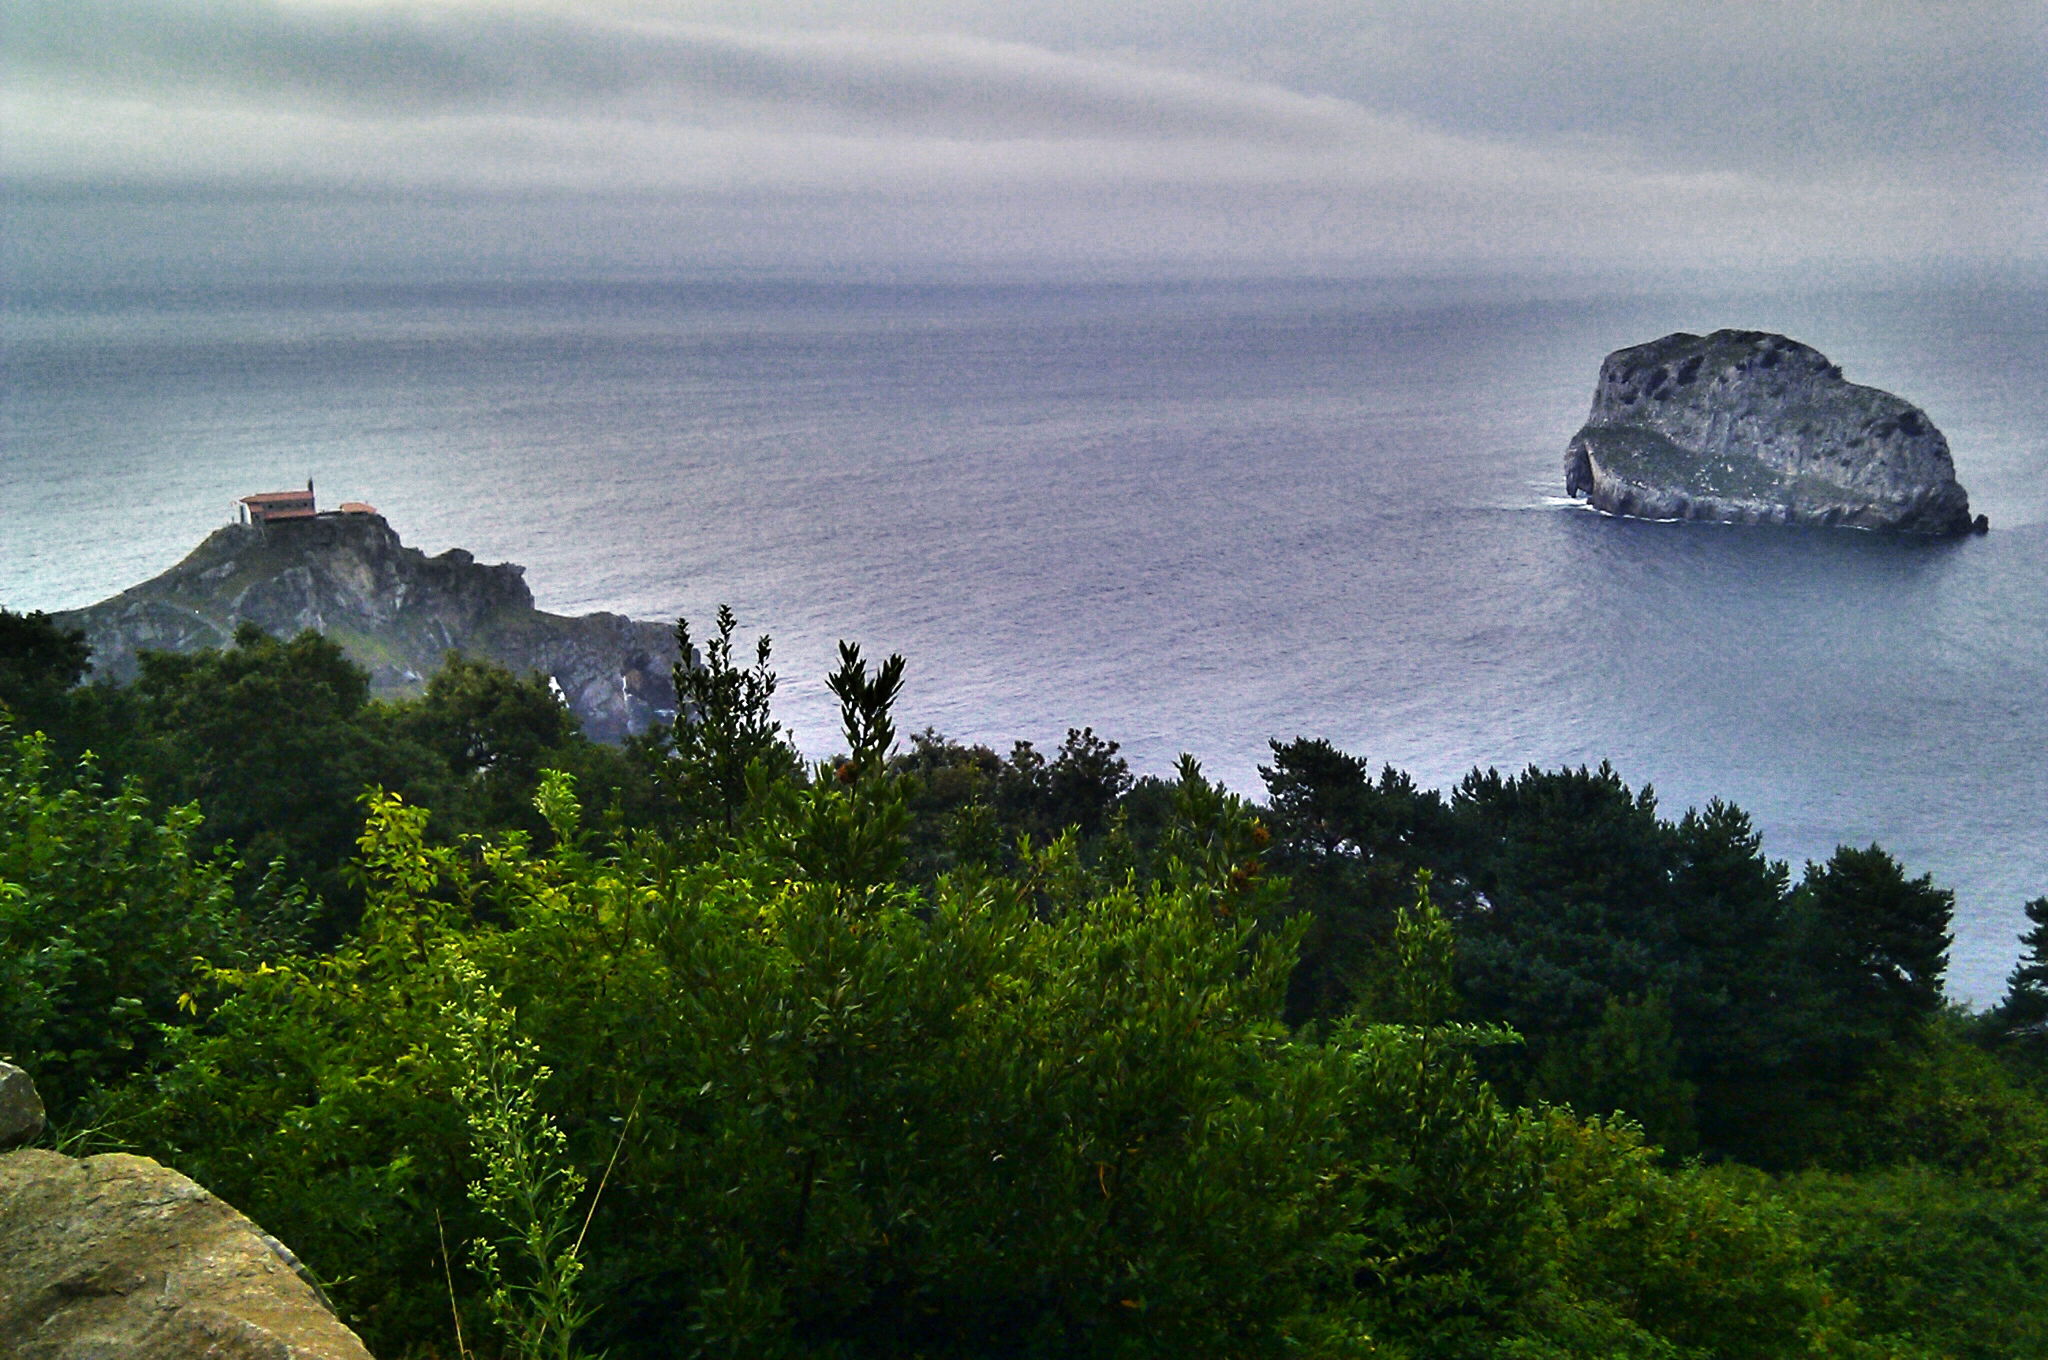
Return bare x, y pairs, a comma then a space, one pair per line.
1753, 428
393, 609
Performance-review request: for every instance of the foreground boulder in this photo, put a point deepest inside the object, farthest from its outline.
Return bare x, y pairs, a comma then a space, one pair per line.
393, 609
1752, 428
21, 1108
119, 1256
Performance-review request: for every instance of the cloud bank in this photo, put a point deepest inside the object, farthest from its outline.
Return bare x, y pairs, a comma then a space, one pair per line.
1307, 133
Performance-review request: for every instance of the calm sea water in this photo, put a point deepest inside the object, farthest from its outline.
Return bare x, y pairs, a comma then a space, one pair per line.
1195, 517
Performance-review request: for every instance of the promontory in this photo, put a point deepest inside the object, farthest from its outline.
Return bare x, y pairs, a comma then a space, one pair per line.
394, 610
1752, 428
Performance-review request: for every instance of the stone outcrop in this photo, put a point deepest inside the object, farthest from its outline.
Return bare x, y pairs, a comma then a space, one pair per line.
21, 1108
393, 609
1753, 428
119, 1256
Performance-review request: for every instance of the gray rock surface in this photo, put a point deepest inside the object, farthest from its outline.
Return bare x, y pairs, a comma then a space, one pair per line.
117, 1256
21, 1108
393, 609
1753, 428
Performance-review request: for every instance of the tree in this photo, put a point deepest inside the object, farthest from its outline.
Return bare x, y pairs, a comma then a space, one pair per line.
1628, 1066
497, 731
724, 733
999, 1116
1734, 994
39, 663
1937, 1265
1079, 787
1697, 1263
1874, 945
1351, 847
1568, 883
1084, 782
1326, 807
847, 829
2025, 1008
951, 791
273, 740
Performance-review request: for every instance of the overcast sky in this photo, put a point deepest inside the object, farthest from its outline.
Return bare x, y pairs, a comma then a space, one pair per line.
1368, 135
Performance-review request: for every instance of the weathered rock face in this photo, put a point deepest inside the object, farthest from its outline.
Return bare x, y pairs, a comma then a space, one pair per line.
119, 1256
21, 1108
393, 609
1753, 428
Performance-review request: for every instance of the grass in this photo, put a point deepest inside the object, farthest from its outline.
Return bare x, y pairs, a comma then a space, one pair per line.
1646, 458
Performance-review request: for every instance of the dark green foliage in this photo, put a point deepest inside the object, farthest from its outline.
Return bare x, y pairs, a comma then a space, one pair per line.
1327, 808
39, 663
1873, 946
1078, 788
963, 1125
724, 734
1047, 1112
1658, 969
273, 740
937, 1053
1568, 930
973, 807
1704, 1264
1569, 896
1629, 1063
1084, 782
1942, 1099
2024, 1012
1939, 1268
277, 740
864, 708
950, 792
495, 731
848, 828
1351, 847
1734, 981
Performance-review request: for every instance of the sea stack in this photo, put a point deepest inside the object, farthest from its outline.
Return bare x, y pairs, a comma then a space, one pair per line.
1752, 428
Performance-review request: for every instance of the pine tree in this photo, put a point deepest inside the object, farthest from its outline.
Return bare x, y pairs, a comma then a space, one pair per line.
1874, 945
2025, 1008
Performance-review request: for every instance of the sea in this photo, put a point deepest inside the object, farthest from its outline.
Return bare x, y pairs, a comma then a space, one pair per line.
1196, 516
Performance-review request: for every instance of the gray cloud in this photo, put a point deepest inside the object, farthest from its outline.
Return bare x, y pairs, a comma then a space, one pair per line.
1314, 131
1722, 84
468, 59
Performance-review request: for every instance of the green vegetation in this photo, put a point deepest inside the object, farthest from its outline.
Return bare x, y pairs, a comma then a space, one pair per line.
690, 1049
1642, 456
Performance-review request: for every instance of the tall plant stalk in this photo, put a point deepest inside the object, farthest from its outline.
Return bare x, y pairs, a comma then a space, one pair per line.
529, 1189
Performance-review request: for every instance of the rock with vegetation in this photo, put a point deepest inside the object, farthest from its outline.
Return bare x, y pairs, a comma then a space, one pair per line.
21, 1109
393, 609
1752, 428
118, 1255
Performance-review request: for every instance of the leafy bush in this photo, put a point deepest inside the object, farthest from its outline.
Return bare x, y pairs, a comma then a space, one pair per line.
106, 910
1938, 1266
809, 1079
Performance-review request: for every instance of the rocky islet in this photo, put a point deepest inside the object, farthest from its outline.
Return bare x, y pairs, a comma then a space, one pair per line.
1749, 427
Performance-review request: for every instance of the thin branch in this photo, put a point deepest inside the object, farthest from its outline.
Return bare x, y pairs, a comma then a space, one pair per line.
449, 1274
602, 1181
